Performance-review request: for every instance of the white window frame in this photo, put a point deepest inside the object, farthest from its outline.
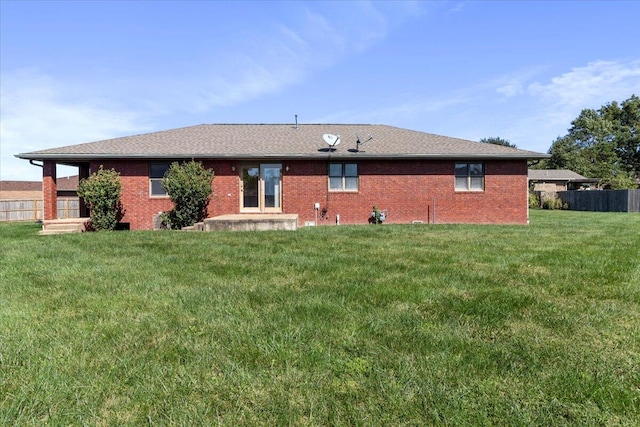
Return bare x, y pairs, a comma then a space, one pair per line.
346, 177
471, 179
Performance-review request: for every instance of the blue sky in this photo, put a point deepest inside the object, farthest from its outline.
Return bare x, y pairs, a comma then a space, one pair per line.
81, 71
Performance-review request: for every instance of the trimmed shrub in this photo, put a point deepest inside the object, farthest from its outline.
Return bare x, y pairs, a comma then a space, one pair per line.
189, 187
554, 203
101, 192
534, 201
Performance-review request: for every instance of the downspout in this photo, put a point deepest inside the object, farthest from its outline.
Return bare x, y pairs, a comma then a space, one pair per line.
35, 164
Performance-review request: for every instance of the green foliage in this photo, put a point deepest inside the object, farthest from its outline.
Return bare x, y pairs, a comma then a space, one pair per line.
189, 187
496, 140
602, 144
376, 216
552, 203
622, 181
534, 201
101, 192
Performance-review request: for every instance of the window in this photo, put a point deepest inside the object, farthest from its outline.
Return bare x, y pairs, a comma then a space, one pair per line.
157, 171
469, 177
343, 177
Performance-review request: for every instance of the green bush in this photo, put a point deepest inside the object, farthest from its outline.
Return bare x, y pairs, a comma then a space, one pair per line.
534, 201
101, 192
189, 187
554, 203
621, 182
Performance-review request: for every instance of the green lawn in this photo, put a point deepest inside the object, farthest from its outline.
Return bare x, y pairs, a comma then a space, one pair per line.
363, 325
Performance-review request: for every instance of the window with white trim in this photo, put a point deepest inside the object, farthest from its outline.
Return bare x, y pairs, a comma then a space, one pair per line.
343, 177
157, 171
469, 176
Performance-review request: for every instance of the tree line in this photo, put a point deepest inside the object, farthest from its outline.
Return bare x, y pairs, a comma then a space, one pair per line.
602, 143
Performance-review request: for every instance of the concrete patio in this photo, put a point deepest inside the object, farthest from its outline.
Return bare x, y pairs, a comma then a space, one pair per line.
247, 222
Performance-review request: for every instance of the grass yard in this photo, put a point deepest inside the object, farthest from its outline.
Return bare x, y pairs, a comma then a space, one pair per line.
363, 325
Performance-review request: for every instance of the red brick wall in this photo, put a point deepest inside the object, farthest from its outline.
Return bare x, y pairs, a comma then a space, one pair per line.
409, 190
140, 207
49, 190
226, 187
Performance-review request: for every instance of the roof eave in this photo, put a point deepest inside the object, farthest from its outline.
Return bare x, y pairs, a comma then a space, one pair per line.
334, 155
460, 156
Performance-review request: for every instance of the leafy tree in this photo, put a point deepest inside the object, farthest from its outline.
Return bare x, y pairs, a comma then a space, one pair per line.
625, 121
101, 192
602, 143
189, 187
498, 141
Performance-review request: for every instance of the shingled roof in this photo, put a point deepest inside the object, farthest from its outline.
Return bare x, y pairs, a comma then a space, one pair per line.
252, 141
558, 175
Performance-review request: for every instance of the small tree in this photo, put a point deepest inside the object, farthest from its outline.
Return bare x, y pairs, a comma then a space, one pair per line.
189, 187
496, 140
101, 192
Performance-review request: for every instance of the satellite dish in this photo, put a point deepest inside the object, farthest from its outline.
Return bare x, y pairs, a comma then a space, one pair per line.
330, 139
360, 142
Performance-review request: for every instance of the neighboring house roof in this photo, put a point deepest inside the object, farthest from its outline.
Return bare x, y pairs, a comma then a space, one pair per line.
558, 175
66, 183
20, 190
21, 185
281, 141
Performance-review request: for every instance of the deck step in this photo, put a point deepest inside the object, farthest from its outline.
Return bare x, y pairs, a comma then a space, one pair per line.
252, 222
59, 231
63, 226
198, 226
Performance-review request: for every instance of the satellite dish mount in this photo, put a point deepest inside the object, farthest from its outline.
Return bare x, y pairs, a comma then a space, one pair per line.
360, 142
331, 140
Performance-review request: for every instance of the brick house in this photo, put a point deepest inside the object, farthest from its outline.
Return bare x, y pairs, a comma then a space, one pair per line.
291, 169
552, 180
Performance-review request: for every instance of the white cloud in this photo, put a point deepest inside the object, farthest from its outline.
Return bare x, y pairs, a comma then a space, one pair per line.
271, 62
457, 7
551, 106
40, 111
36, 113
318, 37
529, 111
398, 114
582, 85
515, 83
510, 90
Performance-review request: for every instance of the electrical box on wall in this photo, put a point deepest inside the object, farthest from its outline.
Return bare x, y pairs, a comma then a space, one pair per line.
316, 206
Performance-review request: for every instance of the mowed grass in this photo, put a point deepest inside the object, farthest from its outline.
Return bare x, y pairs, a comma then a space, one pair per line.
364, 325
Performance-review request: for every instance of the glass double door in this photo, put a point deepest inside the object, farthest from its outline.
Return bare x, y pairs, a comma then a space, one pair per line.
261, 188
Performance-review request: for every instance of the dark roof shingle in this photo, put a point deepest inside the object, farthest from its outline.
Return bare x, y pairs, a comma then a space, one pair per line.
281, 141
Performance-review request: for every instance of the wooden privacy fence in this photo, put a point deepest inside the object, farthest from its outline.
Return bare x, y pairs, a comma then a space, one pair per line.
31, 209
602, 200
